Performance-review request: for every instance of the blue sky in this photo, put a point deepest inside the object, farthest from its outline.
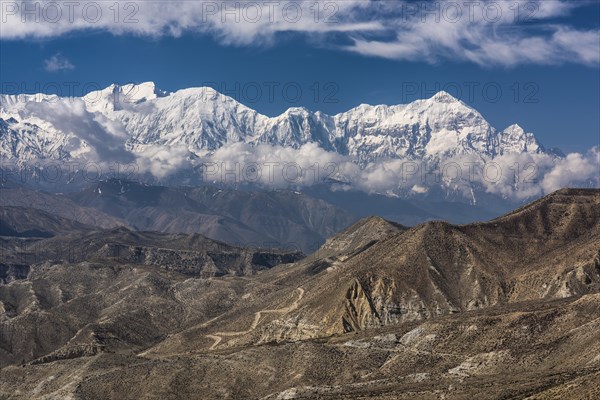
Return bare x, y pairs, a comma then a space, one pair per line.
546, 67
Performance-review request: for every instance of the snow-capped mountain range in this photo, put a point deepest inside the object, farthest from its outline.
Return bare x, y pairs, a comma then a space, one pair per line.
32, 127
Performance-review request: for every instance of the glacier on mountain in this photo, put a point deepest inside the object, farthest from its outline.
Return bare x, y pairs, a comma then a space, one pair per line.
203, 120
438, 148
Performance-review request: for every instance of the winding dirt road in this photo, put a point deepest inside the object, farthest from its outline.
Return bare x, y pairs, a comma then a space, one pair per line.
218, 336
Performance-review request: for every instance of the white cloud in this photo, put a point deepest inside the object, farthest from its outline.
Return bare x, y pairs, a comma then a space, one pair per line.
512, 176
91, 134
94, 138
163, 161
488, 32
240, 22
573, 168
57, 63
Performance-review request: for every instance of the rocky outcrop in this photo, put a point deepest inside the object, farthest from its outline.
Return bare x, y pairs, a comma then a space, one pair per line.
204, 264
359, 310
12, 272
66, 353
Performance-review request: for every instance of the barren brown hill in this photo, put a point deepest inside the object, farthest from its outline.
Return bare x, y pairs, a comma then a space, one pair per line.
114, 289
506, 309
549, 249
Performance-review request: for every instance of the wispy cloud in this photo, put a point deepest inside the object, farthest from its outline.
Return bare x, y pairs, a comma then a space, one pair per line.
57, 63
491, 33
487, 32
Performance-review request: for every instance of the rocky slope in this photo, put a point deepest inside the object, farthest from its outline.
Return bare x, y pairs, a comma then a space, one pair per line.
501, 309
56, 204
537, 351
101, 290
356, 281
30, 222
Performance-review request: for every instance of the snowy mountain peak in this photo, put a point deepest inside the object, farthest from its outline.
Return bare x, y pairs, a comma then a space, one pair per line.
205, 94
202, 120
297, 111
444, 97
117, 97
11, 103
143, 91
515, 129
442, 104
514, 139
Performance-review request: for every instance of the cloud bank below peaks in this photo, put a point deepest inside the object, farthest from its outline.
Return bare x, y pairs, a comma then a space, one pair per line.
512, 176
